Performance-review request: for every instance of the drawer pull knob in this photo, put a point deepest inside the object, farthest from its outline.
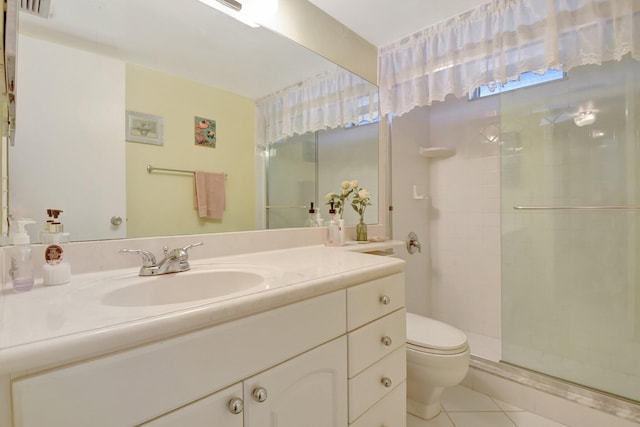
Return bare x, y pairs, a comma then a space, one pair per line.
384, 299
387, 341
236, 405
386, 381
260, 394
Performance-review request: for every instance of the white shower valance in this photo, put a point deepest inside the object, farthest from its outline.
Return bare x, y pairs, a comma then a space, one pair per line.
332, 99
500, 40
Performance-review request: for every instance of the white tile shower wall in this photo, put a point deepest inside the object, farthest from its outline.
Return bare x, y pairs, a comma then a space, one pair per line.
408, 133
457, 278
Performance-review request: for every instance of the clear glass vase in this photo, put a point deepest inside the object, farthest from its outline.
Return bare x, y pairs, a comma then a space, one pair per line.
361, 231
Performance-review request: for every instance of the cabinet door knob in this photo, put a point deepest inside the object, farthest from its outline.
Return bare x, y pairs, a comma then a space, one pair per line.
236, 405
386, 381
387, 341
384, 299
260, 394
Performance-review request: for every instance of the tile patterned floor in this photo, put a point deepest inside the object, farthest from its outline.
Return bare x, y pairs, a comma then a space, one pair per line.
463, 407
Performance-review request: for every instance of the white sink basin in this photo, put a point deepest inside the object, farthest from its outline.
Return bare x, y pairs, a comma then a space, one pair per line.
184, 287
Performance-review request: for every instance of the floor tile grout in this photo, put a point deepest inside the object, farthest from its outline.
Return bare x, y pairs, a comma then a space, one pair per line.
464, 402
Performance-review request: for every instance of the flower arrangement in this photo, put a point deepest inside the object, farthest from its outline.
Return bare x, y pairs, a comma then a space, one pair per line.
360, 201
339, 200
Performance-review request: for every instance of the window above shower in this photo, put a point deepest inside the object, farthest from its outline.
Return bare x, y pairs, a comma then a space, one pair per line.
525, 80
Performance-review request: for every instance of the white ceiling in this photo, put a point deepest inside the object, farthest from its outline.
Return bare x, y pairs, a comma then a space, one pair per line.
183, 38
385, 21
201, 44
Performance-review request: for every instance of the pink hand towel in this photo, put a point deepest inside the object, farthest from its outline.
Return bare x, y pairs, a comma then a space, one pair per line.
209, 189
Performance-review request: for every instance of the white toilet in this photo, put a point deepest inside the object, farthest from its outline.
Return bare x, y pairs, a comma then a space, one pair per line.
437, 357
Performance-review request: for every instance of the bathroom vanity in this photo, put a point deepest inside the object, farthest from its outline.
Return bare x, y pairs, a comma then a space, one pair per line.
319, 341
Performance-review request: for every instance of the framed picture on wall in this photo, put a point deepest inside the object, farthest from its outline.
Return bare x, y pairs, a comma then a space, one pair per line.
205, 132
144, 128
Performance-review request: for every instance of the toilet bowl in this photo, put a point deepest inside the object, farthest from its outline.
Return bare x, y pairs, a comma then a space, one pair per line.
437, 357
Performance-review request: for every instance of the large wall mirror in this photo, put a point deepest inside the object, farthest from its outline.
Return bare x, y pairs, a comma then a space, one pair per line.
107, 88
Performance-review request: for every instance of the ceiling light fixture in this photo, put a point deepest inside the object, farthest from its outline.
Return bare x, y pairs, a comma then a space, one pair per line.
232, 8
584, 118
233, 4
249, 12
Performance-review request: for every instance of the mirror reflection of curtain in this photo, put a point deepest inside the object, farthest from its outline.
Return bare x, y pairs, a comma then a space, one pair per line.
327, 101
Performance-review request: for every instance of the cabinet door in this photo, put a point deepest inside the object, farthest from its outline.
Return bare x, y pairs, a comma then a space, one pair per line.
214, 410
309, 390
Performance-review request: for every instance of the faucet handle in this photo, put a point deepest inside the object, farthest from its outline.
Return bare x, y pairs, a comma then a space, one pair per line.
148, 259
186, 248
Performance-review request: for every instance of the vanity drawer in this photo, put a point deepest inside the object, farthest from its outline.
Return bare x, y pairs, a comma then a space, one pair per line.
389, 412
137, 385
368, 387
374, 341
374, 299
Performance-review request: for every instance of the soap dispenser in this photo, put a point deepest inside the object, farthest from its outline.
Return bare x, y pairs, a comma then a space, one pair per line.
312, 219
333, 229
21, 264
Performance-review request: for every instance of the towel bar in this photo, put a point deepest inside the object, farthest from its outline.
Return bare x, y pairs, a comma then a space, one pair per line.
153, 168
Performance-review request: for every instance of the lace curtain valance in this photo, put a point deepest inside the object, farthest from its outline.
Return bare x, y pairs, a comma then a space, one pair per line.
330, 100
501, 40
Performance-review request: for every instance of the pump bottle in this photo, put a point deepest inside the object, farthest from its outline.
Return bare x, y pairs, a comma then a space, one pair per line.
21, 263
312, 219
333, 229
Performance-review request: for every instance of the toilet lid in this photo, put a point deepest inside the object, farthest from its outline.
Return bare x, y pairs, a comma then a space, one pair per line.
431, 334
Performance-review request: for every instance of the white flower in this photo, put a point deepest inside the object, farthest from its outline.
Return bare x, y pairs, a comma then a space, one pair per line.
359, 202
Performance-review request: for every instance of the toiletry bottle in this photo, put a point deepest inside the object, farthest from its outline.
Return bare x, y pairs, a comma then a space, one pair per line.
333, 230
55, 270
53, 229
21, 265
319, 219
311, 220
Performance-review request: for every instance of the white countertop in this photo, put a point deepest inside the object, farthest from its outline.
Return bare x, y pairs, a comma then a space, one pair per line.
55, 325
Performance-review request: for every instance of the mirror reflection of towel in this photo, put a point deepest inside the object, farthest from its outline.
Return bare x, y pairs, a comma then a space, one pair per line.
209, 194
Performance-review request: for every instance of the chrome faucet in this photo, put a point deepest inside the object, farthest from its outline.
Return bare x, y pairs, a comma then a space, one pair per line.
174, 261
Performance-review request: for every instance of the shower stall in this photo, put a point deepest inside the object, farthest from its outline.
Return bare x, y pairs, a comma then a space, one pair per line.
570, 227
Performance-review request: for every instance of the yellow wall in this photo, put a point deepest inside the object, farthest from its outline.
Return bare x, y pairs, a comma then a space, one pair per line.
161, 203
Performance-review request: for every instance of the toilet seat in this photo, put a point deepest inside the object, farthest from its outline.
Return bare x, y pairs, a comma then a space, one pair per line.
431, 336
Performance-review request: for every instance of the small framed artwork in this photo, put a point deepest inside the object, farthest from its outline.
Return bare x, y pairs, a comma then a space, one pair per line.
144, 128
205, 132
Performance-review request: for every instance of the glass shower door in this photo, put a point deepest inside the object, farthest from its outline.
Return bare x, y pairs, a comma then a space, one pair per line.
570, 228
291, 181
